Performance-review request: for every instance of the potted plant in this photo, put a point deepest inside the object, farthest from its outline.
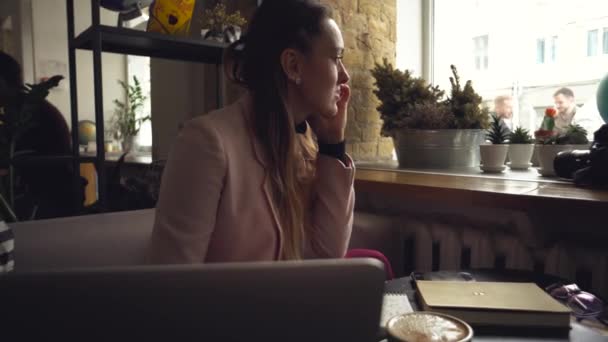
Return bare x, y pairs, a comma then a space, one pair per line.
16, 118
125, 122
521, 148
494, 154
428, 130
575, 138
221, 26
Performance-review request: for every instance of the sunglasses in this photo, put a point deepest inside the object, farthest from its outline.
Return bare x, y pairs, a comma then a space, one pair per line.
583, 304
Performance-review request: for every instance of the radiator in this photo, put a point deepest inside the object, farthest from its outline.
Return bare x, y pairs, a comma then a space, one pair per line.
440, 246
433, 242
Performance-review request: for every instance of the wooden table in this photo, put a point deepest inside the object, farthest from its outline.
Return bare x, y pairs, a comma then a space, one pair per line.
579, 332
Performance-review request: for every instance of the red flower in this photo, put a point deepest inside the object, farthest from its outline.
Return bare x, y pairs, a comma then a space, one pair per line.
550, 111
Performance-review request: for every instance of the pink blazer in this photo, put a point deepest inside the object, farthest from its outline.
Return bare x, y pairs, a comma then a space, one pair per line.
215, 198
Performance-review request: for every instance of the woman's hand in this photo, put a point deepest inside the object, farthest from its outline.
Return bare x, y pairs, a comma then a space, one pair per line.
330, 128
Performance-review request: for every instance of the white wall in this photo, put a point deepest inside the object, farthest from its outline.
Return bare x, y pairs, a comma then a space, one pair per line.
50, 56
177, 94
409, 36
21, 35
10, 8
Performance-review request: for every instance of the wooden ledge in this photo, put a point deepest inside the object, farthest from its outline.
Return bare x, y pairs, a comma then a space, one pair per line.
477, 190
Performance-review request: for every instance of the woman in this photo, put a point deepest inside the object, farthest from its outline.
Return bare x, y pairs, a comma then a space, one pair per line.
267, 177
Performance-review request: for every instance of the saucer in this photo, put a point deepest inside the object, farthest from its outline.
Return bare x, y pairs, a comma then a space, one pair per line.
494, 169
519, 167
428, 326
546, 173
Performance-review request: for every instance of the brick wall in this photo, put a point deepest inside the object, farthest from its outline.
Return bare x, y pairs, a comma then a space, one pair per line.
369, 31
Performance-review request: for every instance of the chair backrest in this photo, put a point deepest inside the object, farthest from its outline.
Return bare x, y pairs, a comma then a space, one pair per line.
370, 253
114, 239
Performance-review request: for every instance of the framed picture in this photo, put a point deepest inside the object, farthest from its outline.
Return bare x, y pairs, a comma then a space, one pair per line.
171, 16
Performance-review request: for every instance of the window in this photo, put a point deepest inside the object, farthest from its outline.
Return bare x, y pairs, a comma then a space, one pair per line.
592, 43
546, 53
605, 40
540, 51
553, 49
481, 52
521, 52
139, 67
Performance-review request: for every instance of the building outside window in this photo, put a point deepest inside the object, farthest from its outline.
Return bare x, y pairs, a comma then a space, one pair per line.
531, 59
540, 51
605, 40
592, 40
481, 52
553, 49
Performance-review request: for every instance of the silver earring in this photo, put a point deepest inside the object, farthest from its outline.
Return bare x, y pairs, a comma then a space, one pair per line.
298, 81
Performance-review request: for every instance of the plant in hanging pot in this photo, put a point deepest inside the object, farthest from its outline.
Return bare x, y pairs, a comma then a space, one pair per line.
494, 154
521, 148
575, 138
428, 130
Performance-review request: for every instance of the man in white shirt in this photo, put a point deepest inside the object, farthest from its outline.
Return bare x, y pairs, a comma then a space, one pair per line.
566, 108
503, 107
569, 114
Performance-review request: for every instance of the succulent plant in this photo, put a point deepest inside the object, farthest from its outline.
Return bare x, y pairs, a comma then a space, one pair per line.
521, 136
466, 104
402, 96
410, 102
574, 135
498, 133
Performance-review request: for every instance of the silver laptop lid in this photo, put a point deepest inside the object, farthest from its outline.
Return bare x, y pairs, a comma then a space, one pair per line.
320, 300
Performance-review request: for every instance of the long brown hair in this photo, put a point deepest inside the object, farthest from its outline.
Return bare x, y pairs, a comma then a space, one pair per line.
254, 62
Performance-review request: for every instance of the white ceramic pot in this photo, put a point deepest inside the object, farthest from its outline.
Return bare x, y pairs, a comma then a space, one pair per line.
547, 153
127, 143
520, 156
493, 157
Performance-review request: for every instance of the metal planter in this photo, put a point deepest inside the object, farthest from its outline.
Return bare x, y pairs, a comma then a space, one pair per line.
438, 149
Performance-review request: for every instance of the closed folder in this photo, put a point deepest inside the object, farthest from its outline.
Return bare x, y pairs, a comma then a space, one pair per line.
494, 303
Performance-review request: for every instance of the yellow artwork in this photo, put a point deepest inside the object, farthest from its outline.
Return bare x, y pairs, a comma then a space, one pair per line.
171, 16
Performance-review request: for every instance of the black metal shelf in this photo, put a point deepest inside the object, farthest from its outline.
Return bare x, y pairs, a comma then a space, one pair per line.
151, 44
45, 160
100, 38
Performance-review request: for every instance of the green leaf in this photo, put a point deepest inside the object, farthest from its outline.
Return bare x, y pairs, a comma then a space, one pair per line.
521, 136
497, 134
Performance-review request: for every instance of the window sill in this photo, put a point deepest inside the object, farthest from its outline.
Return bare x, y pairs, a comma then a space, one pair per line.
511, 190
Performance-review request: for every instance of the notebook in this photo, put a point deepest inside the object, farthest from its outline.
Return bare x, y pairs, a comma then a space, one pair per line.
494, 303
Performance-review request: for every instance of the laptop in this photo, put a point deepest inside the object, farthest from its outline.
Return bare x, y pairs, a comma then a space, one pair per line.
318, 300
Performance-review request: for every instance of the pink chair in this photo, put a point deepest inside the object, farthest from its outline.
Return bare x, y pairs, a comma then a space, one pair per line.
370, 253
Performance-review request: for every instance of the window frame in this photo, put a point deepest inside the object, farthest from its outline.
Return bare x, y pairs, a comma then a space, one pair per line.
605, 41
541, 51
553, 48
594, 52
